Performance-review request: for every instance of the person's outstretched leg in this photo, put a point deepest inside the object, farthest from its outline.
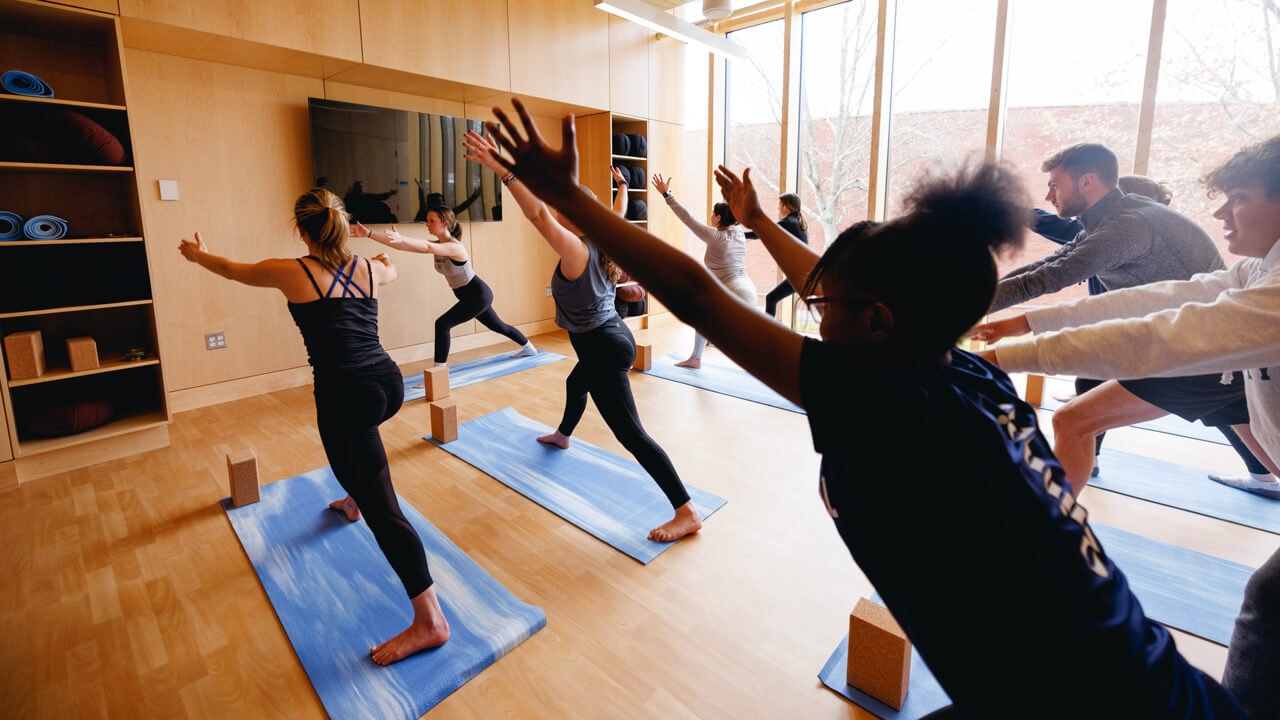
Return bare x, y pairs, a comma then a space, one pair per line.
1253, 657
575, 397
490, 319
1077, 424
611, 391
780, 292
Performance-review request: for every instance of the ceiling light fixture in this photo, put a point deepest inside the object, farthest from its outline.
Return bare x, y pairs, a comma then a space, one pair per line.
667, 24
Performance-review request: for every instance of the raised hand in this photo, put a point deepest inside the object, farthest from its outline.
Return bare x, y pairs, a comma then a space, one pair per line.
1008, 327
550, 174
740, 193
661, 184
360, 231
189, 248
482, 149
394, 238
618, 177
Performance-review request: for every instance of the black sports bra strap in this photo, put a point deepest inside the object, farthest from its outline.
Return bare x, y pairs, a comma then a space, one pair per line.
369, 266
310, 277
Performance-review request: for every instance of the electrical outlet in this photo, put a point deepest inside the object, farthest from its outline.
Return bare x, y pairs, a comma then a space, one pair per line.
548, 292
213, 341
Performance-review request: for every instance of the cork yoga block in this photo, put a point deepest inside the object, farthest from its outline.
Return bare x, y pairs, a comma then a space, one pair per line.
25, 351
83, 352
436, 382
644, 357
879, 654
444, 421
242, 468
1035, 390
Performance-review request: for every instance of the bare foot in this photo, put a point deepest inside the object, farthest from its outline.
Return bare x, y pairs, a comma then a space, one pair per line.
692, 363
556, 438
686, 522
428, 630
347, 507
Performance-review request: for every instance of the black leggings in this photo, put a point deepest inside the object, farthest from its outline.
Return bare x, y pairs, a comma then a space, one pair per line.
475, 300
605, 356
1251, 461
349, 409
781, 292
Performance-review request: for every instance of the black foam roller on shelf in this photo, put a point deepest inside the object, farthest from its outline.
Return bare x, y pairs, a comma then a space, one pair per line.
637, 209
639, 146
621, 144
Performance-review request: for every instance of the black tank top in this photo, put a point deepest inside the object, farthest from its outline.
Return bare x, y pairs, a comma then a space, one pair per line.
340, 332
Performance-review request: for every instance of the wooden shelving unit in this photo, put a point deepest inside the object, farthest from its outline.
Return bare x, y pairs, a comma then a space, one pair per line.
96, 283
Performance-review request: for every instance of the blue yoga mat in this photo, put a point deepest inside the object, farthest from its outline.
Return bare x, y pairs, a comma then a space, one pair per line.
1183, 487
336, 597
724, 378
479, 370
18, 82
45, 227
1169, 424
1193, 592
610, 497
10, 226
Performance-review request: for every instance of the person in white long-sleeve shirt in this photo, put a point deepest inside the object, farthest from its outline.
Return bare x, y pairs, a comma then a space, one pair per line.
1215, 322
726, 255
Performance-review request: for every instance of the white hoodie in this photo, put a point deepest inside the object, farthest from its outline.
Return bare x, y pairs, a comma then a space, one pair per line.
1215, 322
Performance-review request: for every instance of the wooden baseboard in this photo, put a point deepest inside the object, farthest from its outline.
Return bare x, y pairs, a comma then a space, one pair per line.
8, 475
217, 393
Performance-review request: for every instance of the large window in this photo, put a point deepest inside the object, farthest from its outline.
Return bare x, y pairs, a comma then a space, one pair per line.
837, 89
1219, 76
753, 127
941, 88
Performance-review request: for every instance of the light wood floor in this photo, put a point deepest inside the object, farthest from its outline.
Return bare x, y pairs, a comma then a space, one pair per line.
126, 594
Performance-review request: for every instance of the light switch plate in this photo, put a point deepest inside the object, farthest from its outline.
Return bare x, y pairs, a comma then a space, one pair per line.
168, 189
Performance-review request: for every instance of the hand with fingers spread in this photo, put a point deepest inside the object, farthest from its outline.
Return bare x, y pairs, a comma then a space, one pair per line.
618, 177
997, 329
189, 249
661, 184
549, 173
482, 149
394, 238
741, 196
360, 231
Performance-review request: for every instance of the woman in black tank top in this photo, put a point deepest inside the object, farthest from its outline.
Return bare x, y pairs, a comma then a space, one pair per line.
357, 388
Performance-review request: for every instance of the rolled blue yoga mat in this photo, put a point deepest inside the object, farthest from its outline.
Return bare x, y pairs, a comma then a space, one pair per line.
336, 596
724, 378
479, 370
19, 82
609, 496
10, 226
45, 227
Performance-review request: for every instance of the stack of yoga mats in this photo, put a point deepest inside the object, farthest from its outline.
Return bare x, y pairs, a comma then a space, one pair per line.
337, 597
40, 227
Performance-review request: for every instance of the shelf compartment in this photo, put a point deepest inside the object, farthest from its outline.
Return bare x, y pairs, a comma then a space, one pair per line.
57, 277
57, 134
105, 366
74, 51
119, 426
134, 395
95, 203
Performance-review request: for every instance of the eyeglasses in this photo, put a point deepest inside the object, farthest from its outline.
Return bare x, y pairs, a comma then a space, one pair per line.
817, 304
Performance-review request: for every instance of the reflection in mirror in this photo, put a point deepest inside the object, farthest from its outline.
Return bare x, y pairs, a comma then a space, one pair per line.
395, 165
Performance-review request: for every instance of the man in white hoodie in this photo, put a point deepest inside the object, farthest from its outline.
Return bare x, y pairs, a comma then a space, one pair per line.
1215, 322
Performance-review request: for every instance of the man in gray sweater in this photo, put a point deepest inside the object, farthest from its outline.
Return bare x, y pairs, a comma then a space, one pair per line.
1127, 240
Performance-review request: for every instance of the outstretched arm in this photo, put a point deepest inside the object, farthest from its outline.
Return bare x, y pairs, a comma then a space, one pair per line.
573, 253
795, 258
764, 347
268, 273
702, 231
620, 198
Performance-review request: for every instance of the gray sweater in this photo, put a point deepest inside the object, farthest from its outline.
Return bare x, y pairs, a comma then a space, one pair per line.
1127, 240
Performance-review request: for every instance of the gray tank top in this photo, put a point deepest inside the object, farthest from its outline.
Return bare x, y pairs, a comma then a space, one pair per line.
585, 303
455, 273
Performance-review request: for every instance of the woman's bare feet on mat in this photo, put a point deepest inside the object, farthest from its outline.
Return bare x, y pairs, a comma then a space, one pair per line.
692, 363
556, 438
429, 629
686, 522
347, 507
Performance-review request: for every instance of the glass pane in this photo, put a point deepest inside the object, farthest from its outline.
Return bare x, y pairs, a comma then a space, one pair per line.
837, 90
694, 169
753, 127
1063, 91
941, 87
1217, 93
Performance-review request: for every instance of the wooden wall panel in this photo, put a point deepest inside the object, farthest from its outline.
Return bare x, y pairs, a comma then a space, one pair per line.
327, 27
237, 142
106, 6
560, 51
666, 80
462, 40
628, 67
666, 156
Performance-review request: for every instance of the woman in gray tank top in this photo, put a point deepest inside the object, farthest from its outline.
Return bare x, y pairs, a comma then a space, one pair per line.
583, 288
475, 299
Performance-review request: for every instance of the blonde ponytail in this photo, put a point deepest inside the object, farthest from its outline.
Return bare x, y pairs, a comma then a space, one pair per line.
321, 218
